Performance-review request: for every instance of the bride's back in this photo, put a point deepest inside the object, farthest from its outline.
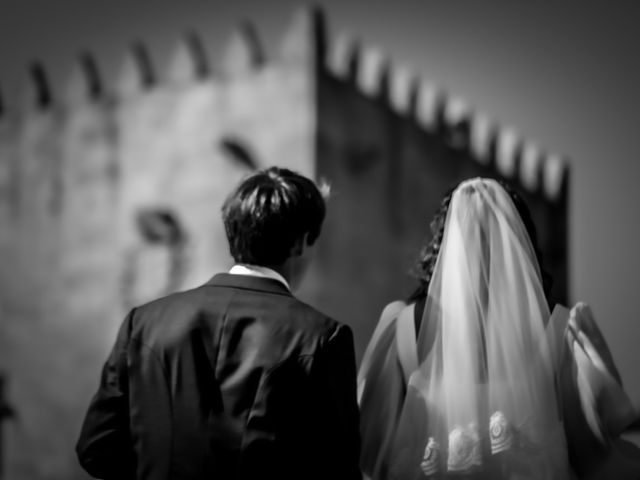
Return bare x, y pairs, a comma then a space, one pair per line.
482, 399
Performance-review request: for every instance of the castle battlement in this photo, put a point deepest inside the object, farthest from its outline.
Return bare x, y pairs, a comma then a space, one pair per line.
304, 42
409, 96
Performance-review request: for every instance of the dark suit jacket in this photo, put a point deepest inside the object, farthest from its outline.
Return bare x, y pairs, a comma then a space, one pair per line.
236, 379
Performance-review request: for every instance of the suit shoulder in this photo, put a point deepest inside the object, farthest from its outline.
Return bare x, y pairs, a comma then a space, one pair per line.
153, 314
317, 323
177, 299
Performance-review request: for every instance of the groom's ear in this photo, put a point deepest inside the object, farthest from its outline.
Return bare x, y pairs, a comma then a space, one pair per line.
299, 246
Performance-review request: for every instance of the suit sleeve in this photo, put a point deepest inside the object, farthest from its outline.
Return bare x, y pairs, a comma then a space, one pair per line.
105, 448
335, 375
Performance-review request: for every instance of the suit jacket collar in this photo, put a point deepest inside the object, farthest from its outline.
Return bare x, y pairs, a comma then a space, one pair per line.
258, 271
249, 282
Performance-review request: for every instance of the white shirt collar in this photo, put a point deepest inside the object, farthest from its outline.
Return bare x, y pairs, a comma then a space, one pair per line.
258, 271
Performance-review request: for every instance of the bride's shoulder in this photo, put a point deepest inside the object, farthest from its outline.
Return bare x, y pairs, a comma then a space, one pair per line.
581, 313
579, 307
583, 332
393, 309
578, 316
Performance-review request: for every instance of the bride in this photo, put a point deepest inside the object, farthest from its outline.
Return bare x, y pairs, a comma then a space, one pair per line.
475, 378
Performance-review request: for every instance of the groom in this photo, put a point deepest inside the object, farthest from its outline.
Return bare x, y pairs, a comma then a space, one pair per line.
235, 379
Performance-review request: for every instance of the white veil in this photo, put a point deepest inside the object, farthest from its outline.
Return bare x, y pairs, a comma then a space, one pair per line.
483, 400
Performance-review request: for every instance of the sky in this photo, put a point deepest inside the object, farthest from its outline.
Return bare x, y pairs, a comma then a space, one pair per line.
565, 75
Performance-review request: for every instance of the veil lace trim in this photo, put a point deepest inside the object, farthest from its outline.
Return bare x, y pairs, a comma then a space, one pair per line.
464, 447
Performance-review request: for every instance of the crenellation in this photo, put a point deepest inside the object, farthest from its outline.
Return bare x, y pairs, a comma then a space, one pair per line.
353, 64
382, 85
555, 177
84, 83
400, 87
508, 144
493, 143
456, 123
480, 137
95, 88
540, 187
458, 134
39, 94
430, 106
243, 53
344, 58
136, 72
447, 117
369, 71
305, 40
530, 167
188, 62
440, 125
456, 110
516, 163
413, 97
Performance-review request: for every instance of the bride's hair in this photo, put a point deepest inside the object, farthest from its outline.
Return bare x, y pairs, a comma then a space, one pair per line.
423, 268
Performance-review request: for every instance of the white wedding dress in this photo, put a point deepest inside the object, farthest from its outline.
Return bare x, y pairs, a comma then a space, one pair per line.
493, 386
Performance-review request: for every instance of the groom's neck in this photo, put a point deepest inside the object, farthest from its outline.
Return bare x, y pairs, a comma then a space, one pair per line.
281, 269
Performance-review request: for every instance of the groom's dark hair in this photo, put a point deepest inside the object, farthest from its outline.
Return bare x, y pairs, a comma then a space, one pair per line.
269, 212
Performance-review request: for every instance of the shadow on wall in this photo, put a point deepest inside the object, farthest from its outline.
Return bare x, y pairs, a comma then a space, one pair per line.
157, 265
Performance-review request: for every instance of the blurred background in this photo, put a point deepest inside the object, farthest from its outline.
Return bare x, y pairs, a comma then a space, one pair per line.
562, 76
